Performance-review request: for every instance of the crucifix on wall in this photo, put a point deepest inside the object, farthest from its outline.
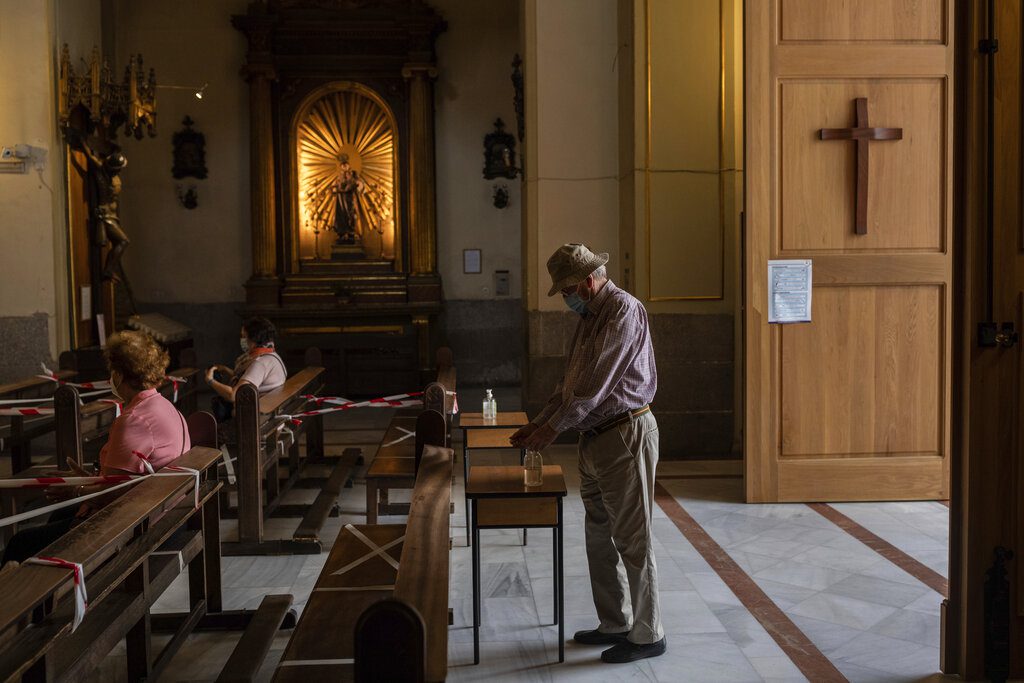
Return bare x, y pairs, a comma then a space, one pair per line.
862, 135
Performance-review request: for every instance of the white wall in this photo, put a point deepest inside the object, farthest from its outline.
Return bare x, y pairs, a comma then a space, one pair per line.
572, 134
179, 255
472, 90
29, 217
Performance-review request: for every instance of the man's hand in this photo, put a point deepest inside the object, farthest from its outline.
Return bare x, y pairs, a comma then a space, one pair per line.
209, 373
540, 439
519, 438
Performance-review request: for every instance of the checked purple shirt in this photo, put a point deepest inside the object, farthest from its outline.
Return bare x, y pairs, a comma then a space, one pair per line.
611, 364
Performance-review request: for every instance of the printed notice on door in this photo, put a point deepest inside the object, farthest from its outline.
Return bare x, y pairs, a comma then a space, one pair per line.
789, 291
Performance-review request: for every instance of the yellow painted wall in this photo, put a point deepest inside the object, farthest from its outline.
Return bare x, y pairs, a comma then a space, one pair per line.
570, 50
687, 133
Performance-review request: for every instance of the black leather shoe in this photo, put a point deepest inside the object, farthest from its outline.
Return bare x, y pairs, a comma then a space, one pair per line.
630, 652
596, 637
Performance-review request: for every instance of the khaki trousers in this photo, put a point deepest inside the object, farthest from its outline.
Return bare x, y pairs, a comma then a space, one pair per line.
617, 486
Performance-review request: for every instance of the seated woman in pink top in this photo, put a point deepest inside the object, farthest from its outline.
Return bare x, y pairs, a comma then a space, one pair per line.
150, 428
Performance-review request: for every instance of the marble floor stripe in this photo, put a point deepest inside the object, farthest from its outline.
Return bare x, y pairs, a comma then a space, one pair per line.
797, 646
925, 575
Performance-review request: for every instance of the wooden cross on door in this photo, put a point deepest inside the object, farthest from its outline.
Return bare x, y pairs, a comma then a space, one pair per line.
862, 134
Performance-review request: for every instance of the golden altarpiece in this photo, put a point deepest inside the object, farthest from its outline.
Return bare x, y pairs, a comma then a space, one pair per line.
342, 168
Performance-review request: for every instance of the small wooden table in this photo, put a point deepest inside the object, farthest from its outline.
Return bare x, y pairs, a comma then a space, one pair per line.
501, 500
483, 433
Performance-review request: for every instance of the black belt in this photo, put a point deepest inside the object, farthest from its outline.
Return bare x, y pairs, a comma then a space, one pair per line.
613, 422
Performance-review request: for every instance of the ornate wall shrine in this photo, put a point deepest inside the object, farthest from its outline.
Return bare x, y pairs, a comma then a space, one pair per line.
342, 155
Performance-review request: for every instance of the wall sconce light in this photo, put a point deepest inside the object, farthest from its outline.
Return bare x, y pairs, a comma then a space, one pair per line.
198, 92
499, 153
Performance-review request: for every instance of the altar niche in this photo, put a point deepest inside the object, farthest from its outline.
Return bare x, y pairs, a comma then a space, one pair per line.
343, 185
346, 160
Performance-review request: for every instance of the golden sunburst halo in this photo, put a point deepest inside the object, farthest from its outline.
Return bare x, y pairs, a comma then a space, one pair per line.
347, 125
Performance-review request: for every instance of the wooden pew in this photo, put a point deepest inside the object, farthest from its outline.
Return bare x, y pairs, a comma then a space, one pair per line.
341, 624
131, 550
17, 432
262, 442
394, 465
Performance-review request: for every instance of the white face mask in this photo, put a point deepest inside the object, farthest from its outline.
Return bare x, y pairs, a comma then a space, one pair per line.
244, 343
113, 390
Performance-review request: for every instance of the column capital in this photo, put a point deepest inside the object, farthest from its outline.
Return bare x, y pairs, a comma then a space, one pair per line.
255, 70
419, 70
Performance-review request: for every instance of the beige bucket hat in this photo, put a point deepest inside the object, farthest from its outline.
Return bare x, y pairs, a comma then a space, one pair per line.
571, 264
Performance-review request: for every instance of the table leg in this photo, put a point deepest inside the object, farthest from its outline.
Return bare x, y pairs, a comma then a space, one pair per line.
465, 476
555, 571
522, 462
561, 597
476, 588
371, 501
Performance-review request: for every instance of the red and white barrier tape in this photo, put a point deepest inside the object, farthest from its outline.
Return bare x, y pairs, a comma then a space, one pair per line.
104, 384
50, 375
394, 401
81, 597
44, 482
120, 481
169, 470
28, 402
21, 517
25, 412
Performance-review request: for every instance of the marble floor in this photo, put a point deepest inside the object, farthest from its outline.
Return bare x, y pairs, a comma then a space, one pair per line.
739, 585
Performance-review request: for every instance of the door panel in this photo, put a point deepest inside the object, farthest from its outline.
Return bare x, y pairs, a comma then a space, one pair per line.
907, 177
869, 369
869, 20
854, 405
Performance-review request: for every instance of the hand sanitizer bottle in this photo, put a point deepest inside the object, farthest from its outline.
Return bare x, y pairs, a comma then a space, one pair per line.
487, 405
533, 473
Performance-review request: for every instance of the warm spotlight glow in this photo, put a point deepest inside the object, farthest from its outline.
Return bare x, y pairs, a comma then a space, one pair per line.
353, 126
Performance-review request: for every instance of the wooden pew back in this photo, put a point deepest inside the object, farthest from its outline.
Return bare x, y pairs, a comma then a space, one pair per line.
255, 425
419, 608
28, 589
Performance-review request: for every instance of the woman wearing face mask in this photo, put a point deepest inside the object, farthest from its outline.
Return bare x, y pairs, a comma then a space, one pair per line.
258, 365
149, 428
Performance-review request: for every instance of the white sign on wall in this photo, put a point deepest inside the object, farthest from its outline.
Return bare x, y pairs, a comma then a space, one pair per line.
789, 291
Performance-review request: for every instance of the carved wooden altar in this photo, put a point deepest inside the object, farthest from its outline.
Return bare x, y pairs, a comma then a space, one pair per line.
342, 170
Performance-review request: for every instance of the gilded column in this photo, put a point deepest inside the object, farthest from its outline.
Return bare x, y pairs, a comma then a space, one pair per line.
422, 214
258, 25
261, 151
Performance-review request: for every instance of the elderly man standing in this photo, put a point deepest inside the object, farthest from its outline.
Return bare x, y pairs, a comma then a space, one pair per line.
604, 395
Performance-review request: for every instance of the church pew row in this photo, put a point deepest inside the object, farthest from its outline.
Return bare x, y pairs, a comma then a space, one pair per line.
394, 465
379, 609
261, 442
18, 432
131, 550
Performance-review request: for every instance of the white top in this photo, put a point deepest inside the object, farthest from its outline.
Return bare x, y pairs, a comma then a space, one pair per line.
266, 372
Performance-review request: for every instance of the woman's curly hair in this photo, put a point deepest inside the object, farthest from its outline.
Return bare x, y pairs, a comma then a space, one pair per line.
139, 359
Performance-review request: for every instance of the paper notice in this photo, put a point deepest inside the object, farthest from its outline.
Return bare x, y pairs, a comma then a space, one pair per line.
789, 291
85, 305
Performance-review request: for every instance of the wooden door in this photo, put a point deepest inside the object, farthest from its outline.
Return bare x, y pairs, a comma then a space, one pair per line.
854, 405
987, 506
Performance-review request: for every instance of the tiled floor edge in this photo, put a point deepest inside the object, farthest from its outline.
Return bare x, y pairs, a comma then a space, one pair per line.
797, 646
915, 568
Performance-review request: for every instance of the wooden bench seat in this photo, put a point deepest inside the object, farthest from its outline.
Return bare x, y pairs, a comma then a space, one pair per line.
123, 576
356, 578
